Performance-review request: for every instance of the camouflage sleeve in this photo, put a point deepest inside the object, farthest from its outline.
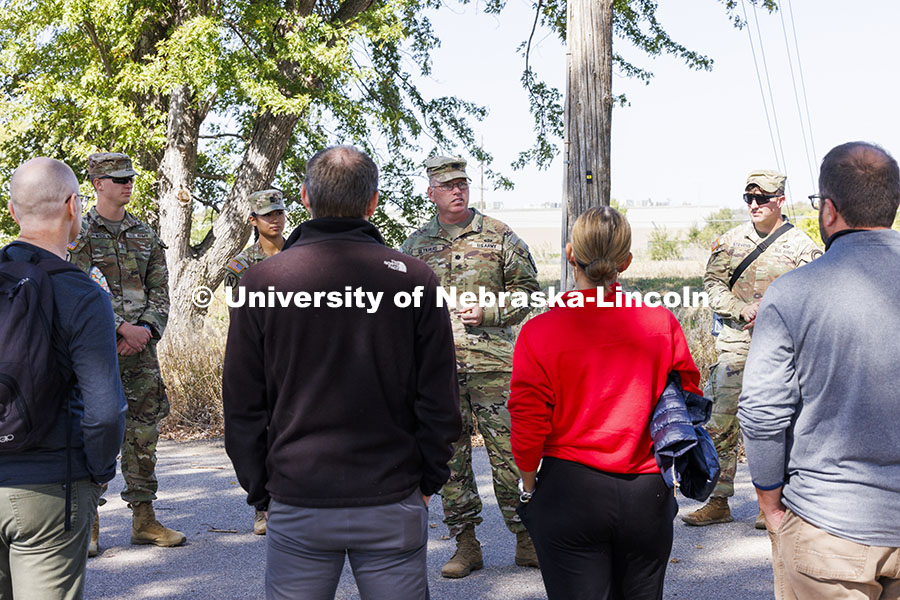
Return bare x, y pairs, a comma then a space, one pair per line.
156, 311
519, 275
808, 252
715, 282
232, 281
406, 246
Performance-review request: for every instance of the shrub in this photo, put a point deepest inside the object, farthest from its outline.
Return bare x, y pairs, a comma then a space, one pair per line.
663, 245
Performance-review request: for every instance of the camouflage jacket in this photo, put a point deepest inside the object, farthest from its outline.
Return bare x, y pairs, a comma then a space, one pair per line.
238, 265
486, 253
789, 251
130, 266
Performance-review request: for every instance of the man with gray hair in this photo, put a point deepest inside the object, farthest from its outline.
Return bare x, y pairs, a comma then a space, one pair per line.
819, 407
343, 415
49, 490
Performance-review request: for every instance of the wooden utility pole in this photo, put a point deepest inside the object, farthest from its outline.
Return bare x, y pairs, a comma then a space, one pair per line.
588, 113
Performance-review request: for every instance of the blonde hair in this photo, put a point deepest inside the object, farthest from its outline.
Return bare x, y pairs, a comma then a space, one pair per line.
601, 242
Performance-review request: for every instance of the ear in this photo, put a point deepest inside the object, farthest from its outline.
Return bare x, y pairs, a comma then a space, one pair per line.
627, 263
373, 204
304, 198
72, 210
570, 255
829, 213
779, 202
430, 192
12, 211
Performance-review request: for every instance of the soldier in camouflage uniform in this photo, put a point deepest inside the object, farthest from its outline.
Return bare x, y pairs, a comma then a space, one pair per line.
267, 217
127, 259
736, 308
469, 250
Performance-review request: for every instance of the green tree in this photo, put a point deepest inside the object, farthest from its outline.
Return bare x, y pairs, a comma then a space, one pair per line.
217, 99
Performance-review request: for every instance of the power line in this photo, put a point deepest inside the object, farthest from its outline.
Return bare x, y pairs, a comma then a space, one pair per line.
761, 91
762, 53
803, 86
787, 47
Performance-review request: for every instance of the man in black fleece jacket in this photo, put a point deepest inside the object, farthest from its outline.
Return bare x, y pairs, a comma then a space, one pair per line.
343, 415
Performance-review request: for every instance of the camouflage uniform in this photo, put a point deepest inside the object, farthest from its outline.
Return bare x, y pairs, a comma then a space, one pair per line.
789, 251
261, 203
238, 265
485, 253
131, 267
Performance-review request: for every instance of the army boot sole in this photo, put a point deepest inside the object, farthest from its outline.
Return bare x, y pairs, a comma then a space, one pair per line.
161, 543
460, 574
693, 523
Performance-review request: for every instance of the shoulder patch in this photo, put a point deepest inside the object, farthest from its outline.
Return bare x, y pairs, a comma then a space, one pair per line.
236, 266
716, 244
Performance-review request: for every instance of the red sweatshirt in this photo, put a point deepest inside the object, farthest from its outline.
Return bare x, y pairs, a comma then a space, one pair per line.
585, 382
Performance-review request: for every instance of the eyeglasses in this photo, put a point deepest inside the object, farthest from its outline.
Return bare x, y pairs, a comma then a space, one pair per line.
119, 180
761, 199
81, 198
448, 187
816, 200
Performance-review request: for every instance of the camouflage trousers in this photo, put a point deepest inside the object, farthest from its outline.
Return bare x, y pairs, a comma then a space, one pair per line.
482, 396
724, 387
147, 406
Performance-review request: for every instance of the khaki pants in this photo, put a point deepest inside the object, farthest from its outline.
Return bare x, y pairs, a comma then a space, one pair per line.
811, 564
39, 560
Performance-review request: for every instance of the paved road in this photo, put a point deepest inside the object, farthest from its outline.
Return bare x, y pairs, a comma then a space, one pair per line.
223, 560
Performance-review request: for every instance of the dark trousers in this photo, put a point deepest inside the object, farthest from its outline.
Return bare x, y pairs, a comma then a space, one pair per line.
600, 535
386, 545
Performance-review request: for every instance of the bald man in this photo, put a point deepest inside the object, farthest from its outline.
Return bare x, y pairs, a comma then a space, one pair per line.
43, 534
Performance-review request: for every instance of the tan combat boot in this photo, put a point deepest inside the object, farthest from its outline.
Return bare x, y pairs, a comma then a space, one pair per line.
760, 520
94, 545
145, 529
467, 557
526, 556
715, 511
259, 522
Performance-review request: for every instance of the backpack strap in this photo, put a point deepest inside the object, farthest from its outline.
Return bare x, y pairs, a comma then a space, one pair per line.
748, 260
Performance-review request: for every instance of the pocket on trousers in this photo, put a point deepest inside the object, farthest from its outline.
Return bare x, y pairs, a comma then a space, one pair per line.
40, 513
822, 555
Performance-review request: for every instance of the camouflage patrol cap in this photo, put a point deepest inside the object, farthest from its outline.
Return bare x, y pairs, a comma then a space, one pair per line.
265, 201
445, 168
767, 181
109, 164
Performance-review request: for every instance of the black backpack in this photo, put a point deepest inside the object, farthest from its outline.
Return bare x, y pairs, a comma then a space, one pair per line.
33, 384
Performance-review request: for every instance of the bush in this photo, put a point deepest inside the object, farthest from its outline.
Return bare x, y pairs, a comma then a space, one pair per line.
192, 370
663, 245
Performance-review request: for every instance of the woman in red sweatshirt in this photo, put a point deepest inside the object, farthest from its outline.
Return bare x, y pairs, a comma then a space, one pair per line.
584, 384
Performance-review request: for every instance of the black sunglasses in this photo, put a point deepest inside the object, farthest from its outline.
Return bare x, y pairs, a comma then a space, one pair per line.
119, 180
760, 198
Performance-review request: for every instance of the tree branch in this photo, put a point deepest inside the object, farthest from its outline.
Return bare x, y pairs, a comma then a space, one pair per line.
92, 33
350, 9
218, 136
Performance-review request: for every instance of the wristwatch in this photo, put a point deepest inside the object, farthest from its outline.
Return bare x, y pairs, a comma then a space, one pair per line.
525, 497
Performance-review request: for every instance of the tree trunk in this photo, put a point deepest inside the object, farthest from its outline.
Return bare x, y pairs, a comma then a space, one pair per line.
588, 114
204, 265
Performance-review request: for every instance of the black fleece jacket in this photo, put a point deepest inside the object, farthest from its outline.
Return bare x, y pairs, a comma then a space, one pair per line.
338, 406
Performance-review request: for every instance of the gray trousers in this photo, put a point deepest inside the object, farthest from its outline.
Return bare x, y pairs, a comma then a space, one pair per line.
306, 547
39, 560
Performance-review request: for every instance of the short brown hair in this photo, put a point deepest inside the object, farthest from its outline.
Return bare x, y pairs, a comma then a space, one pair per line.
340, 182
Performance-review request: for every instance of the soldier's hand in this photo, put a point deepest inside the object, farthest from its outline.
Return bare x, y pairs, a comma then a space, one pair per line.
472, 316
134, 338
748, 313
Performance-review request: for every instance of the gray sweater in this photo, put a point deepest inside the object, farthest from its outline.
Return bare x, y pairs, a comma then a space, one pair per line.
820, 407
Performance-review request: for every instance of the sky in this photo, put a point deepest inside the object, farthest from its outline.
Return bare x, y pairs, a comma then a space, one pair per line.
689, 136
